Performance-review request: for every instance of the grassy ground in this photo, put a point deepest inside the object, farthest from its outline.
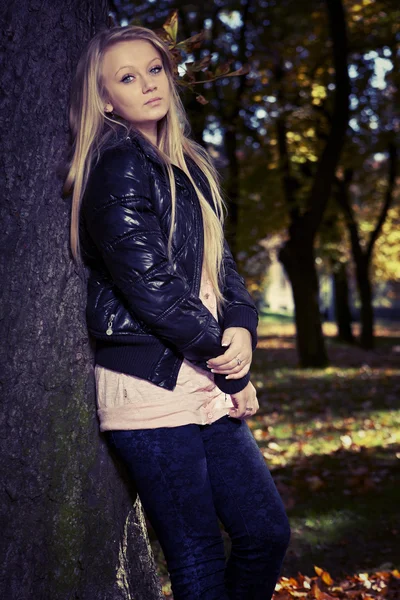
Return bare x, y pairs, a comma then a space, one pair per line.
331, 438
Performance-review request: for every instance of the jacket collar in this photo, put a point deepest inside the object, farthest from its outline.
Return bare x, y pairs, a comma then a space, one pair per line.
148, 148
133, 136
120, 134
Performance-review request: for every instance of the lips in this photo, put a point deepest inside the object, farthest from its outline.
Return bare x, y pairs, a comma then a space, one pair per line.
152, 100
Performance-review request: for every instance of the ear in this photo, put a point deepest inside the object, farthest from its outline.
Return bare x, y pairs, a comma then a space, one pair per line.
108, 108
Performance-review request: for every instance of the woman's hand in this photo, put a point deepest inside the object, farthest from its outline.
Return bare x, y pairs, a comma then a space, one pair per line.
239, 341
246, 402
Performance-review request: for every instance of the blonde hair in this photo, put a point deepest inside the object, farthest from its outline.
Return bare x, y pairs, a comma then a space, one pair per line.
91, 127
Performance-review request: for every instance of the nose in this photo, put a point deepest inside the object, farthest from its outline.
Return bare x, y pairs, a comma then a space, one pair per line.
148, 85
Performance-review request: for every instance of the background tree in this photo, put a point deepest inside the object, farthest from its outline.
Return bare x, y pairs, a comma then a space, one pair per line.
70, 527
332, 249
297, 253
362, 253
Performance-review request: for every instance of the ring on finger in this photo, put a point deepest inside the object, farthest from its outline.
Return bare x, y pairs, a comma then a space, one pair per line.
239, 361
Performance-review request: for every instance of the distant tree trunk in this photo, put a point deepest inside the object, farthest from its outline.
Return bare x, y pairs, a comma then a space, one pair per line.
367, 311
69, 524
297, 254
304, 281
341, 299
363, 257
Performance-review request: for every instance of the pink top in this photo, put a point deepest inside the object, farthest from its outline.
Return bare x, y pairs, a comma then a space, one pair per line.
128, 402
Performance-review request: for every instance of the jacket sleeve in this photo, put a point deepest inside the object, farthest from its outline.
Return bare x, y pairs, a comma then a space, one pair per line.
240, 310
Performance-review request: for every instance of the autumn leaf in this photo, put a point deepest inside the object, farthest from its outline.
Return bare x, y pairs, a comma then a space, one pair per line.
396, 573
201, 64
325, 576
171, 26
318, 594
195, 41
223, 69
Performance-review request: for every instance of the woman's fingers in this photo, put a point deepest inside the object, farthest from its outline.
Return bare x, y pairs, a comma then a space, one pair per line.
232, 366
227, 360
239, 374
235, 370
245, 406
244, 410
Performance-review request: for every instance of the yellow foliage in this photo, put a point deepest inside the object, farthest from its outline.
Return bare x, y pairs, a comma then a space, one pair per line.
292, 136
318, 91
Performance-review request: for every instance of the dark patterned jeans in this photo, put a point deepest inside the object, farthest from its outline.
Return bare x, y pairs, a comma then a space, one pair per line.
189, 476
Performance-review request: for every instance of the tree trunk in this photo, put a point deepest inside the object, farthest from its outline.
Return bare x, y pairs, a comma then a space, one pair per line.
342, 307
69, 524
367, 311
363, 257
300, 268
297, 254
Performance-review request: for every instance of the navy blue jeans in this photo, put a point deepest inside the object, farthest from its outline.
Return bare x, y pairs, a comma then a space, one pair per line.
190, 476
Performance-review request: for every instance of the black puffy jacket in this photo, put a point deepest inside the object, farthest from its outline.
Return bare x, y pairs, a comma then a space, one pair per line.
144, 312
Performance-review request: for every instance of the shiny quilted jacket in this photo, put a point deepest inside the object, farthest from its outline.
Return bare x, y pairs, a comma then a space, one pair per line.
144, 311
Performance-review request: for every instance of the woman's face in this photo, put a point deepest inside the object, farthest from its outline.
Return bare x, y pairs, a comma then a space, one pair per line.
133, 75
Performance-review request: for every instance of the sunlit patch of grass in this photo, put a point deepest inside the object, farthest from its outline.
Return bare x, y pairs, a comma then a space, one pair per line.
283, 441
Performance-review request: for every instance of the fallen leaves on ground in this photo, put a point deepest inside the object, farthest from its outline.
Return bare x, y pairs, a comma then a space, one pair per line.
361, 586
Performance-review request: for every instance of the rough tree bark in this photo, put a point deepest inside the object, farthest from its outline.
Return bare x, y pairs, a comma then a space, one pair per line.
70, 526
362, 256
297, 254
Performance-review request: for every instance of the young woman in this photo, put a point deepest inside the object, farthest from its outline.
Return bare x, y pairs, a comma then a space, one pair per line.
174, 325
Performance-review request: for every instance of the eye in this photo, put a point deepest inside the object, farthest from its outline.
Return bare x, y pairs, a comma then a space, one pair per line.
155, 70
124, 79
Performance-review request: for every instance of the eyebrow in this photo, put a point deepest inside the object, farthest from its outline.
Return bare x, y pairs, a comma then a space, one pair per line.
132, 67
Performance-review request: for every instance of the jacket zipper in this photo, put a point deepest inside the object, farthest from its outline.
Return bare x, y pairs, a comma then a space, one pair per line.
109, 331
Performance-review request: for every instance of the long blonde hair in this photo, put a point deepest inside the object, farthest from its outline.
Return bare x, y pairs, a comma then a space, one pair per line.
91, 127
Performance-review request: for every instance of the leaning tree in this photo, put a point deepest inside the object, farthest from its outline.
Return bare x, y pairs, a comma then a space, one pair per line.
71, 526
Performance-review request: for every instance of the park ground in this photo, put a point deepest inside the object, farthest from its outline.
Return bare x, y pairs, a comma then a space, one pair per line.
331, 438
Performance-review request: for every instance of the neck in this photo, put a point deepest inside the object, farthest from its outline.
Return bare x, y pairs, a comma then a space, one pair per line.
150, 131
